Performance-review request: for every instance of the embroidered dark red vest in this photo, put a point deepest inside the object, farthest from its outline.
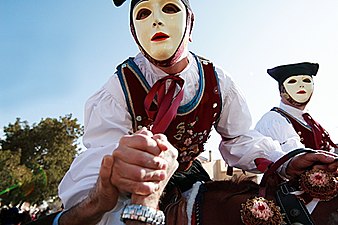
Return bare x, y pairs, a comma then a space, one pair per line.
191, 127
306, 134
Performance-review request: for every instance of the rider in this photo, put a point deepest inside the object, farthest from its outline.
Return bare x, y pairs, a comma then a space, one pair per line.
290, 123
159, 106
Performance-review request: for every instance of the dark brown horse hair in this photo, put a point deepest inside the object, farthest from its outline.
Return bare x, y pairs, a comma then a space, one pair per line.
236, 181
241, 183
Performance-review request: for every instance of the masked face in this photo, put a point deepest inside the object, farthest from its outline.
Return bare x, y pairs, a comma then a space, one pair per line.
160, 27
300, 88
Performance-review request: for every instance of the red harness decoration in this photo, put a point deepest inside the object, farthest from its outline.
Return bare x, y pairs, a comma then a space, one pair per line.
319, 184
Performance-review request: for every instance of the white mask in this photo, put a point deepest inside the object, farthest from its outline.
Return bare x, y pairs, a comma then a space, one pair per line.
300, 87
160, 27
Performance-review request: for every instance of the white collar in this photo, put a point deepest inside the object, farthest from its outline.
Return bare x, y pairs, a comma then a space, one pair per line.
297, 113
160, 73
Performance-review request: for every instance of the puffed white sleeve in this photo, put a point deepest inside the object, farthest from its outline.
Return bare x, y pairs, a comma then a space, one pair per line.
276, 126
240, 146
106, 120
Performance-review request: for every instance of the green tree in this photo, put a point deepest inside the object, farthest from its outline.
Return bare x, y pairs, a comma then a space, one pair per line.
36, 157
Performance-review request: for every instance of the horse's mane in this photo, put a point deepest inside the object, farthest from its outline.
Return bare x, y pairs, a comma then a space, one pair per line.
237, 184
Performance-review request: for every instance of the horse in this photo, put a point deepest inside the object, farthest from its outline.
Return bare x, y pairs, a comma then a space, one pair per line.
222, 202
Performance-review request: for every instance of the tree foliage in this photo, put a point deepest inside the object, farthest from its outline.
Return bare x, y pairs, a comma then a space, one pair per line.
35, 158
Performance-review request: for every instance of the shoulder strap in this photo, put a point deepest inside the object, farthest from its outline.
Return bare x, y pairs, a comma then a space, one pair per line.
282, 113
291, 119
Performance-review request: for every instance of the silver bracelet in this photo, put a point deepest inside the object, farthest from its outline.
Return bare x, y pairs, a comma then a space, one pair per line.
143, 214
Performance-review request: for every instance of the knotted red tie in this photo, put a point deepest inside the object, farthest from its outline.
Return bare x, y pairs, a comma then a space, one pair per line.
167, 104
316, 128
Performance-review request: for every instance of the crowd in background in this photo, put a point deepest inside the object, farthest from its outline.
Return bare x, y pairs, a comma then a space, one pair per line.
25, 212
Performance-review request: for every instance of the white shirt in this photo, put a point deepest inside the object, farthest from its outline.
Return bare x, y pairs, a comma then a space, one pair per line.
107, 120
276, 126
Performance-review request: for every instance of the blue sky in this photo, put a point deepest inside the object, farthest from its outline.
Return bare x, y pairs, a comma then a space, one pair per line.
55, 54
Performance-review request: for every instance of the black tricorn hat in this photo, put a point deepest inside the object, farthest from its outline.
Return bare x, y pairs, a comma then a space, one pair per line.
281, 73
118, 2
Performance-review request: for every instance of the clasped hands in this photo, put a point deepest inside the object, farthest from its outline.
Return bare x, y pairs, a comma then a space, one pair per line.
141, 165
